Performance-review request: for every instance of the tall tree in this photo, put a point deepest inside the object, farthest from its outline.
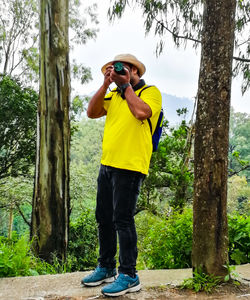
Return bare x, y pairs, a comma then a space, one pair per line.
50, 215
19, 32
17, 127
18, 37
210, 238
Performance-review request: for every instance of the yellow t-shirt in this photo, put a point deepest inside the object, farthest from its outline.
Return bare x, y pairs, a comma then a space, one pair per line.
127, 141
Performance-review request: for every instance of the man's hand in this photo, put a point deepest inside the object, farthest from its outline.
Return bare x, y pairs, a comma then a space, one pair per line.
107, 76
120, 79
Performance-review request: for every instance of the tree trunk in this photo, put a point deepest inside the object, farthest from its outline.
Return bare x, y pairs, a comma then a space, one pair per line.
50, 215
210, 233
11, 217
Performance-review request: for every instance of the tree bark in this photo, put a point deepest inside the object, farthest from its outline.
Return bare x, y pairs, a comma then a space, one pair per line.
210, 233
50, 214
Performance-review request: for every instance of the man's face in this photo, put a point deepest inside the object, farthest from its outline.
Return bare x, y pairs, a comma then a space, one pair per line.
132, 71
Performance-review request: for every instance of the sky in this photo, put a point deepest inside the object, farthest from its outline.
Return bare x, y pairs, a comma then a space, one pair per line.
175, 72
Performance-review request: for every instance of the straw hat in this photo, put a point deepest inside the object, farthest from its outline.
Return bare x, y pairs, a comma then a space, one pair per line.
128, 58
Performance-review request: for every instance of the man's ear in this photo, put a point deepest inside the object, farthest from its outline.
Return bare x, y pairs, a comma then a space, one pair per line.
135, 71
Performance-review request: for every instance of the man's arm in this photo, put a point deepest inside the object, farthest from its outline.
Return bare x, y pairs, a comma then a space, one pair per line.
95, 107
137, 106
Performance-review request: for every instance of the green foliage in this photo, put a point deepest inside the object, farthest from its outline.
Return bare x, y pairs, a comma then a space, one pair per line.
17, 127
242, 45
232, 275
82, 250
238, 195
201, 282
239, 144
170, 173
183, 20
167, 243
239, 239
15, 197
19, 32
86, 149
18, 36
80, 72
31, 56
164, 243
81, 34
16, 259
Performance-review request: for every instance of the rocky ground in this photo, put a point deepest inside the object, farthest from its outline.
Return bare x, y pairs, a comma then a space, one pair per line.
156, 284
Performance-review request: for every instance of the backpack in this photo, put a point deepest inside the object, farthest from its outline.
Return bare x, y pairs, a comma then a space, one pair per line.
156, 135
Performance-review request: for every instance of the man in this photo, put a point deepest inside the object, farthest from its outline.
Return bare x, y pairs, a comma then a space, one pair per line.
127, 149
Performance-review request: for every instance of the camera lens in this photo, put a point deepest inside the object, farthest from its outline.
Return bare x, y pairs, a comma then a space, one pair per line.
119, 68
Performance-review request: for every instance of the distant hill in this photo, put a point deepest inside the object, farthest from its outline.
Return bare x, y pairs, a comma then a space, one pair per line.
171, 103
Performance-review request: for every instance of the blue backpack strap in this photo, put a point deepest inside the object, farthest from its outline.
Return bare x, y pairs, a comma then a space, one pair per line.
149, 122
158, 131
156, 135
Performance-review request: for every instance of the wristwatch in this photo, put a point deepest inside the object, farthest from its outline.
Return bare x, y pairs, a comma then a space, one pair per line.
123, 88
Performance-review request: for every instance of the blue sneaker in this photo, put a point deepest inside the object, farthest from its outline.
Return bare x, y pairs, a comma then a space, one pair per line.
122, 285
99, 276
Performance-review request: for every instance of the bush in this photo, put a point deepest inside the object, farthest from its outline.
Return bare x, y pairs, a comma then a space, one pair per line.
239, 239
162, 244
83, 241
165, 243
16, 259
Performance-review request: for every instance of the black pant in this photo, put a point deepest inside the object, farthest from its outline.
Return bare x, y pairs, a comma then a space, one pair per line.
117, 195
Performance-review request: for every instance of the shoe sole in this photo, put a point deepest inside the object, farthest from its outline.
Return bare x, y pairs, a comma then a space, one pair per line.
96, 283
129, 290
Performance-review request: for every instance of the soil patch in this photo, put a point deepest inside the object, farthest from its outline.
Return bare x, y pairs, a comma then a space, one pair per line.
224, 292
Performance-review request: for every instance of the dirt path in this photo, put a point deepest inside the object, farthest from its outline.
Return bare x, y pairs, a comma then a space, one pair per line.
156, 284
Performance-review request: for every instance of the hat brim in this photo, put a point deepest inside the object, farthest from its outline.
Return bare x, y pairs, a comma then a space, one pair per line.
139, 65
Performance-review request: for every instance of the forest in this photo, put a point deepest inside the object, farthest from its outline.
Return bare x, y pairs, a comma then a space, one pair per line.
42, 184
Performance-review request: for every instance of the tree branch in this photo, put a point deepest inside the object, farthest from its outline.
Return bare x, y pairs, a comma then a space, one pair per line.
176, 35
194, 40
241, 59
22, 215
237, 172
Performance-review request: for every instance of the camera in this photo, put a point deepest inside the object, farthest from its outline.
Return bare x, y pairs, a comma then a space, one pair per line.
119, 68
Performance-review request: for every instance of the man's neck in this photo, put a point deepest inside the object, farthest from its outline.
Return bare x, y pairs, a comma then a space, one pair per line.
135, 81
139, 85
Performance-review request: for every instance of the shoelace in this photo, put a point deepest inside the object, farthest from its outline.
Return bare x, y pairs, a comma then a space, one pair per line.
97, 270
119, 279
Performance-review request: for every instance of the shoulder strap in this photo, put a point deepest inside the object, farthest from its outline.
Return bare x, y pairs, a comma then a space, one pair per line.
111, 91
149, 122
150, 125
145, 87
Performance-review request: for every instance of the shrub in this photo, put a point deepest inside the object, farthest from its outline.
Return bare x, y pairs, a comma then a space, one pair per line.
165, 243
201, 282
16, 259
239, 239
82, 250
162, 244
